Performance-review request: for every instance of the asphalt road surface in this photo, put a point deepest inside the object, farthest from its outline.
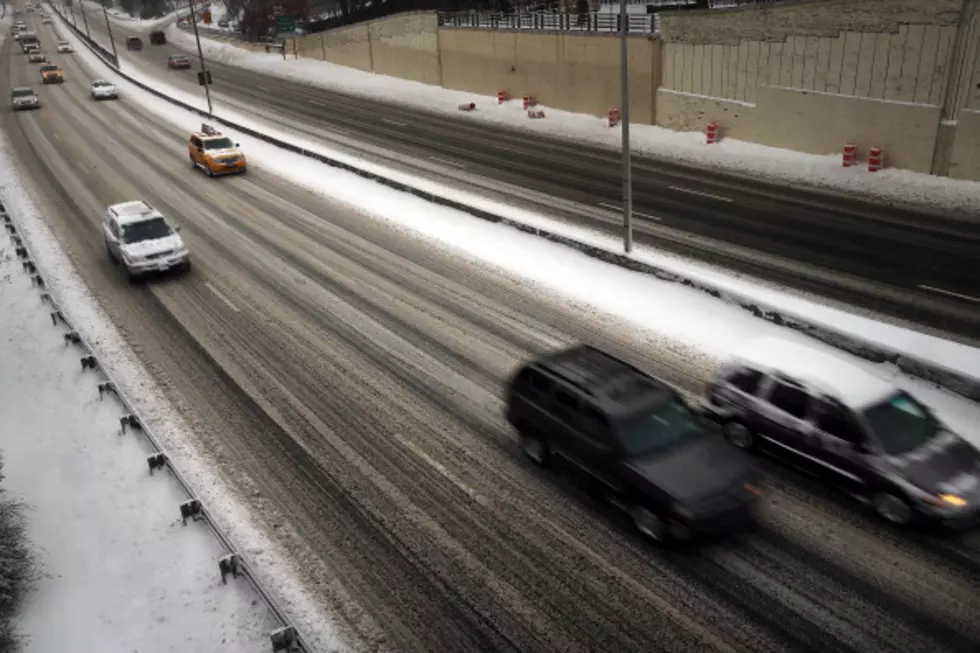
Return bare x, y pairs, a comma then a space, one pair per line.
914, 267
347, 381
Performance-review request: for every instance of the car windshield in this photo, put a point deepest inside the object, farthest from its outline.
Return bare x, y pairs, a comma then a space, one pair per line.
101, 83
151, 229
22, 92
902, 424
223, 143
659, 429
49, 69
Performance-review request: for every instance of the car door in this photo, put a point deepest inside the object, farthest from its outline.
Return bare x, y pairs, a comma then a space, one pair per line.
584, 443
783, 410
838, 446
111, 230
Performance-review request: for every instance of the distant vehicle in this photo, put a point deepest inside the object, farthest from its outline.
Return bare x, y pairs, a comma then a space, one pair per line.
65, 47
140, 238
158, 37
28, 39
46, 20
22, 98
134, 43
849, 428
634, 439
52, 74
215, 153
222, 23
37, 57
178, 62
102, 89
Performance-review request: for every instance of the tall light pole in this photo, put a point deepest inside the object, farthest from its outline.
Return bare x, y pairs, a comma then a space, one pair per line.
200, 53
81, 8
108, 27
625, 116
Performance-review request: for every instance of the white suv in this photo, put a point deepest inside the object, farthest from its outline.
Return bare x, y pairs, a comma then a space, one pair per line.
139, 237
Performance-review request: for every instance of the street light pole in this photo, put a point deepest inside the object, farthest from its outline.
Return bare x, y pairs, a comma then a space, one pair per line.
625, 116
81, 8
109, 29
200, 53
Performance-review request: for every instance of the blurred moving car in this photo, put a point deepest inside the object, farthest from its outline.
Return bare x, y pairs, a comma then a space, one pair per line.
850, 428
22, 98
102, 89
52, 74
158, 37
134, 43
64, 47
178, 62
37, 57
140, 238
633, 438
215, 153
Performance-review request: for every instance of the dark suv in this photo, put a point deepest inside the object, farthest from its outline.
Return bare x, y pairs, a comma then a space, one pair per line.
850, 428
635, 438
134, 43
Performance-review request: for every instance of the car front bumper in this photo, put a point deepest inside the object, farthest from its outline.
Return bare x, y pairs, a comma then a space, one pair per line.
105, 95
163, 264
21, 106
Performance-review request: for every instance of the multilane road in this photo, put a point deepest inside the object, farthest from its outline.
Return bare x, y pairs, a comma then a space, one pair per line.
346, 380
911, 266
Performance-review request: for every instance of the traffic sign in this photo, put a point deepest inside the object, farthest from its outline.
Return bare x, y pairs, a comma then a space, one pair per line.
285, 24
206, 16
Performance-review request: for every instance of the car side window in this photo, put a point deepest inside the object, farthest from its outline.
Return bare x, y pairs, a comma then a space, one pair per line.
789, 398
745, 379
838, 422
595, 425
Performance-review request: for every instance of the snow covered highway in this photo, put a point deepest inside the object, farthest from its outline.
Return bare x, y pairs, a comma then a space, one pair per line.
343, 375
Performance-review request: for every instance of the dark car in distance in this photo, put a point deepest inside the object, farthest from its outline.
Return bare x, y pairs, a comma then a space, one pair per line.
635, 439
134, 43
158, 37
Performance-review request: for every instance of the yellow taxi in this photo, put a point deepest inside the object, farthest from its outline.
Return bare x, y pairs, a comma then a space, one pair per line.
52, 74
215, 153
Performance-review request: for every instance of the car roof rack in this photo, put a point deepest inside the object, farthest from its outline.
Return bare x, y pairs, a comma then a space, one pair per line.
208, 130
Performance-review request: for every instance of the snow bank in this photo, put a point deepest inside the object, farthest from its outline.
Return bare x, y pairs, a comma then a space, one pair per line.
688, 148
118, 571
273, 566
120, 17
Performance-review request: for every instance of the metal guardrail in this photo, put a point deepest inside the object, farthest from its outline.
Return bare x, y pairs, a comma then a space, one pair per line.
551, 22
233, 563
962, 384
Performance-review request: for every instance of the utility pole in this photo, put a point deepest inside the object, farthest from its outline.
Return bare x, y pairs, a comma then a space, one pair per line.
108, 27
81, 8
200, 53
625, 116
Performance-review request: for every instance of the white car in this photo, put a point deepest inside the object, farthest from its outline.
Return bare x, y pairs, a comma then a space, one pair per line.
64, 46
46, 20
140, 238
104, 90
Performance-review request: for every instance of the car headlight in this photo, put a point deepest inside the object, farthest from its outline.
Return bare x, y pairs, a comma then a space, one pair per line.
947, 500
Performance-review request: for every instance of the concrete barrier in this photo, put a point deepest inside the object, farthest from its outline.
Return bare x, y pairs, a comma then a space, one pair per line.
962, 384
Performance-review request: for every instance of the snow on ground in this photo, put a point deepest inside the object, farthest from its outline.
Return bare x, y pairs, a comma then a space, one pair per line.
955, 356
119, 16
667, 315
738, 157
120, 572
273, 566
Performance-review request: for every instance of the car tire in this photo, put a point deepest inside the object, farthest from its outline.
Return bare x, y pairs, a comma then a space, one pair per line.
893, 508
536, 449
193, 162
648, 523
738, 435
185, 268
207, 169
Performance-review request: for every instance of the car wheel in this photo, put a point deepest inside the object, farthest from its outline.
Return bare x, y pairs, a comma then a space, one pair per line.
536, 449
738, 435
892, 508
648, 523
207, 168
186, 268
193, 162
